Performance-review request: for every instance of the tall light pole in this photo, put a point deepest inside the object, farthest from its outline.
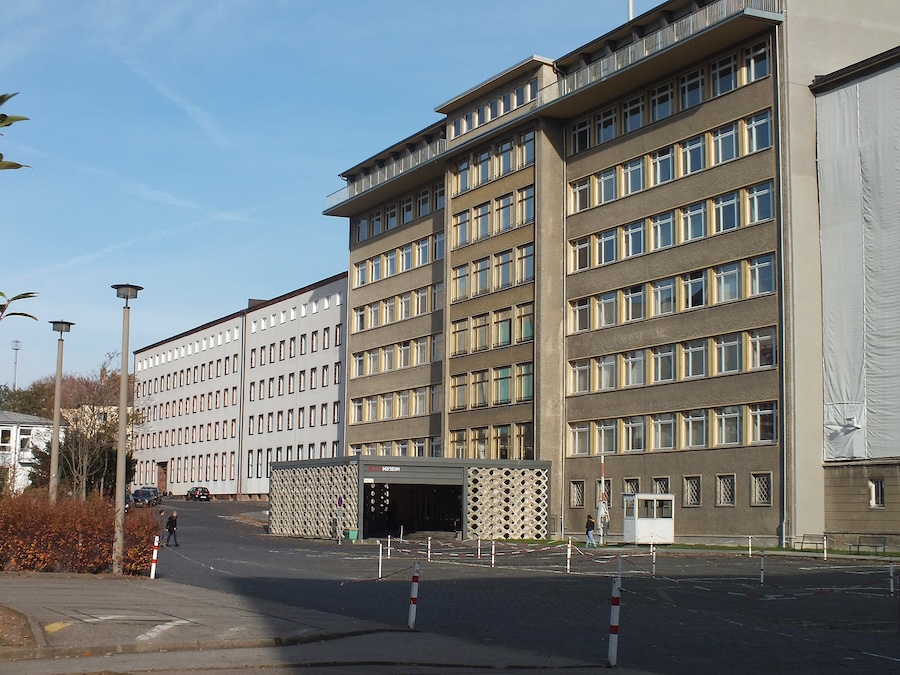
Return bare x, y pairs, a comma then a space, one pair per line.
59, 327
126, 292
16, 346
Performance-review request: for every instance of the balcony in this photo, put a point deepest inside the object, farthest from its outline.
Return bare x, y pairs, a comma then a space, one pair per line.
603, 69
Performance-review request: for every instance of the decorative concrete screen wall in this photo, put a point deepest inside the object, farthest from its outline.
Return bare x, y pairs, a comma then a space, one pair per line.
507, 503
307, 501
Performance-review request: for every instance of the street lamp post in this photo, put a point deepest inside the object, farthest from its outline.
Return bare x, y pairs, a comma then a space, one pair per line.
59, 327
126, 292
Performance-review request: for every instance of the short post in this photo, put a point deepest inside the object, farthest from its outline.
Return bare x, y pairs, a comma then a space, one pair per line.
825, 547
892, 577
479, 548
389, 547
156, 556
493, 552
749, 546
380, 546
762, 568
653, 560
615, 603
401, 533
569, 556
429, 549
619, 568
413, 596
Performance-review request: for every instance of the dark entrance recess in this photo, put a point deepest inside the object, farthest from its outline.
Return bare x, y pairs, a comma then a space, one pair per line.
415, 508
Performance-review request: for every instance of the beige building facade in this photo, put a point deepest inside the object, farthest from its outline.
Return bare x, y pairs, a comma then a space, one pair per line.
610, 262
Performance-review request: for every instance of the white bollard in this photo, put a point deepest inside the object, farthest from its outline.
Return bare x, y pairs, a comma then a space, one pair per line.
569, 556
762, 568
825, 546
401, 533
479, 548
380, 546
429, 549
653, 560
389, 547
749, 546
156, 556
413, 597
493, 552
615, 603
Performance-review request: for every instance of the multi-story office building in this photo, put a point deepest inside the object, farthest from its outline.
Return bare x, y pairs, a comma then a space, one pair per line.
220, 403
610, 262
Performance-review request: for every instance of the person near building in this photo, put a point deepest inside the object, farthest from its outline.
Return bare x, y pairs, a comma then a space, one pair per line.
589, 527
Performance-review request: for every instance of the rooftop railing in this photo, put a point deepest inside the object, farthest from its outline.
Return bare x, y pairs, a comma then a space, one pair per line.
647, 47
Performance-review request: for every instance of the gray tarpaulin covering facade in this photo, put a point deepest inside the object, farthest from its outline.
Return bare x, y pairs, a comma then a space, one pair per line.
859, 185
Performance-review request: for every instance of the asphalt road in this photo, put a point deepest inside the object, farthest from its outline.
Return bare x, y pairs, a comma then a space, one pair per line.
702, 612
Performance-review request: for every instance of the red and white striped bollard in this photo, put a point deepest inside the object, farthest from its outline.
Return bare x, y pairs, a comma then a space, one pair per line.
413, 597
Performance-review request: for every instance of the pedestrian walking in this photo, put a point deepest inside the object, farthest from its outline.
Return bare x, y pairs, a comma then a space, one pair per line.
171, 526
589, 532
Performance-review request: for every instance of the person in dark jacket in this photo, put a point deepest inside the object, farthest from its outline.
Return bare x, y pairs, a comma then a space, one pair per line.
171, 526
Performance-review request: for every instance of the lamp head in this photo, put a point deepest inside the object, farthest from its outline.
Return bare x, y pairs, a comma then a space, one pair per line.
61, 326
127, 291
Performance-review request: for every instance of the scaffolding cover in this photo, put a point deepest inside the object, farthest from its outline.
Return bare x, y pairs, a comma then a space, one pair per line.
859, 185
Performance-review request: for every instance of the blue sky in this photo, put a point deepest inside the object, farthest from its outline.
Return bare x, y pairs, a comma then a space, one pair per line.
189, 147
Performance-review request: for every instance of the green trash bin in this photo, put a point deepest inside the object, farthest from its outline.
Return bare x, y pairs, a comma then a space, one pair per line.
352, 535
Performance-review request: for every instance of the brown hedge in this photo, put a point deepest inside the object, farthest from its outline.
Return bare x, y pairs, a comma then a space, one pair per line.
71, 536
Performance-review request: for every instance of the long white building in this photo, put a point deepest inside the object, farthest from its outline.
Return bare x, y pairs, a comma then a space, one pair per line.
218, 404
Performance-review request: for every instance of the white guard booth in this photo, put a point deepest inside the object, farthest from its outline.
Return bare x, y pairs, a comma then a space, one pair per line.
649, 518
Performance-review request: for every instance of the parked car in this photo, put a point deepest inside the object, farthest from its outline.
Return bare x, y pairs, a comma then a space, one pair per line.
155, 491
198, 494
144, 498
129, 501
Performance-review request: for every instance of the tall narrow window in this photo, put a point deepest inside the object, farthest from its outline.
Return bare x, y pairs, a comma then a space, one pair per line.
723, 75
661, 102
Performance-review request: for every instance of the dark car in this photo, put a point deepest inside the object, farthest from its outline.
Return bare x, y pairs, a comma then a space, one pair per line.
155, 491
144, 498
198, 494
128, 501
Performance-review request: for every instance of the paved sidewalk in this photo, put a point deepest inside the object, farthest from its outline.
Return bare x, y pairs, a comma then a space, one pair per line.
88, 623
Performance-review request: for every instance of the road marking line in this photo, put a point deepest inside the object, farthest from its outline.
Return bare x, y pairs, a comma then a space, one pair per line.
160, 629
57, 625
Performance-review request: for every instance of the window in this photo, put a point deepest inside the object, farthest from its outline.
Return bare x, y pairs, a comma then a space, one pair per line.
580, 380
728, 282
606, 436
723, 75
632, 114
526, 145
763, 422
607, 183
691, 492
606, 247
725, 490
422, 252
664, 435
375, 265
759, 132
728, 353
606, 309
462, 176
633, 366
633, 239
482, 229
762, 348
634, 176
606, 126
461, 229
693, 155
664, 363
390, 216
663, 297
403, 403
481, 277
525, 262
387, 359
460, 281
361, 269
420, 401
694, 289
662, 164
631, 486
761, 489
504, 213
403, 355
576, 494
376, 223
458, 386
662, 103
505, 157
693, 218
502, 385
524, 382
694, 358
480, 388
606, 371
728, 425
581, 195
876, 493
390, 311
759, 202
580, 438
502, 327
581, 254
762, 274
423, 205
459, 331
664, 230
725, 143
633, 301
387, 406
404, 307
439, 246
525, 322
756, 61
581, 136
691, 89
581, 315
480, 332
634, 434
526, 204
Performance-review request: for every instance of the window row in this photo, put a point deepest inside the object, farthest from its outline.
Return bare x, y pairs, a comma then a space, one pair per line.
719, 427
390, 216
419, 302
212, 400
500, 441
283, 420
704, 357
292, 382
493, 329
494, 217
187, 376
312, 306
198, 433
259, 461
407, 447
493, 162
493, 273
397, 404
419, 351
409, 256
500, 385
759, 490
491, 110
195, 468
702, 288
688, 90
729, 142
189, 348
288, 348
723, 213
